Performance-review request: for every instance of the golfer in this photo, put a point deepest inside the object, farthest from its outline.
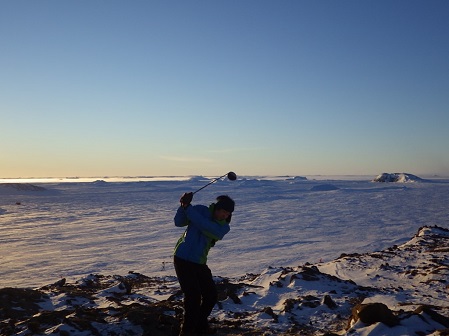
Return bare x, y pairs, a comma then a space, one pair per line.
205, 225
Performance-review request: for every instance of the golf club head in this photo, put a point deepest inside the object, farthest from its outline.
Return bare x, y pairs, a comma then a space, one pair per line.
232, 176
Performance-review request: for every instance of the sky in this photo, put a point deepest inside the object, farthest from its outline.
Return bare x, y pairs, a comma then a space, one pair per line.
148, 88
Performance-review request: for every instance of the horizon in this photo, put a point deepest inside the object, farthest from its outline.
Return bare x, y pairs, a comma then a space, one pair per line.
161, 178
267, 88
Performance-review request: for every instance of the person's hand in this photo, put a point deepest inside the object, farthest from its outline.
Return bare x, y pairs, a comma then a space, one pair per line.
186, 198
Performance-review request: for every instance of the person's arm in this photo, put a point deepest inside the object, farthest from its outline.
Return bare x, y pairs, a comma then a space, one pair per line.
181, 217
207, 226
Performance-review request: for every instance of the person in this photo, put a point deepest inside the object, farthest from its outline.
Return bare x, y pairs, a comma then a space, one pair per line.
205, 226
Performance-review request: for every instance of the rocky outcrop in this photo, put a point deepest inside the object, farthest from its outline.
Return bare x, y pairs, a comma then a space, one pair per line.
403, 288
397, 177
374, 312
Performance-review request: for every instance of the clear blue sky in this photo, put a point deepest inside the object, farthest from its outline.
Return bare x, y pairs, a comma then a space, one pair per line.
105, 88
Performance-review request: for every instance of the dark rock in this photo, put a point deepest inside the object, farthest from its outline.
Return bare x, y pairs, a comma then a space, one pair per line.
269, 311
18, 302
374, 312
329, 302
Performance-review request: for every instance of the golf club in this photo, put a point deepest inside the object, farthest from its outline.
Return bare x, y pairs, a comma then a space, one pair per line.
231, 176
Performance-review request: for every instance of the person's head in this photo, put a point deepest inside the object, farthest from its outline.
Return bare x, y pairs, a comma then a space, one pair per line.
223, 207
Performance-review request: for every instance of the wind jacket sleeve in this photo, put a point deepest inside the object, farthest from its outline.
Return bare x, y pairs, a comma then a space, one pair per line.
181, 217
207, 226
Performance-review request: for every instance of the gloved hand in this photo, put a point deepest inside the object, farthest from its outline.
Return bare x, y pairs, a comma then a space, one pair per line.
185, 200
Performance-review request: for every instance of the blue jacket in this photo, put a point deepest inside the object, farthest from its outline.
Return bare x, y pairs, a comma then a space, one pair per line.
201, 234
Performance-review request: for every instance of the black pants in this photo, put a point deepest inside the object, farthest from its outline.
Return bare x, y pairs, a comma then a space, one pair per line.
200, 293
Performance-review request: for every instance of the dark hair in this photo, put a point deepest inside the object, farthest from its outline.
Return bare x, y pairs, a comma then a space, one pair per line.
225, 202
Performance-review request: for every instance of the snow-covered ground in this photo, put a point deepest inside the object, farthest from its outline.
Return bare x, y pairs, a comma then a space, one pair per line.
74, 229
71, 230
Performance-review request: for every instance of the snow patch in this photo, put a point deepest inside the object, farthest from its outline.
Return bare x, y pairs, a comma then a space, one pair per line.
298, 178
20, 187
197, 178
324, 187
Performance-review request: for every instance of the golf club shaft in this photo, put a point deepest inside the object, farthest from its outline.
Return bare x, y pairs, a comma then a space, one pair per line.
214, 180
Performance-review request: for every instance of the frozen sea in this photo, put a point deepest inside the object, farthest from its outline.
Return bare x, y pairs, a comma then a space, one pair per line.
114, 225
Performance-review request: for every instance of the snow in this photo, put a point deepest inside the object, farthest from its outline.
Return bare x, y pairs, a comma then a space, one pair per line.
72, 230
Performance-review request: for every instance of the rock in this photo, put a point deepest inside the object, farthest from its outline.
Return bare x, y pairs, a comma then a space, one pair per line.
397, 177
269, 311
119, 289
329, 302
17, 302
374, 312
